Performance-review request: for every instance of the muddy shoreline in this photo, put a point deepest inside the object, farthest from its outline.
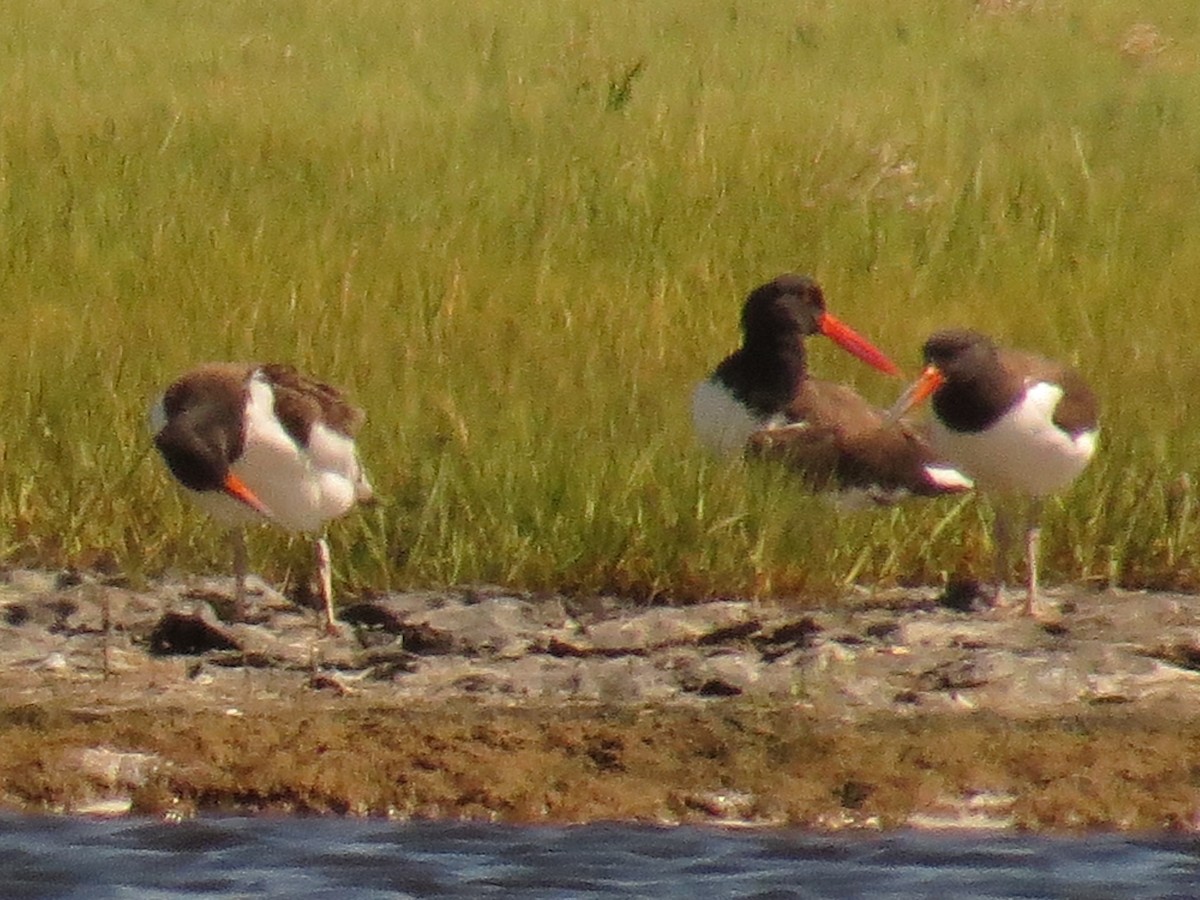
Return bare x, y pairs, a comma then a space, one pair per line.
895, 708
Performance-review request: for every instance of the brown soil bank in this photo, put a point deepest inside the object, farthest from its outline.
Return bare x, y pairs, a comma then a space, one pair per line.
891, 710
727, 760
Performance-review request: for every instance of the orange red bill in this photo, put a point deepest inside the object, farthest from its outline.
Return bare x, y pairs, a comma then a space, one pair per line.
236, 488
917, 392
854, 343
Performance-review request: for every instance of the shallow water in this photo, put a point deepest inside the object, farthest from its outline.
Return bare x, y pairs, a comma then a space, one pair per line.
336, 858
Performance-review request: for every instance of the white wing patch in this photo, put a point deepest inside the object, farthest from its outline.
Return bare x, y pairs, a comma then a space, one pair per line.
303, 487
951, 479
1022, 452
336, 456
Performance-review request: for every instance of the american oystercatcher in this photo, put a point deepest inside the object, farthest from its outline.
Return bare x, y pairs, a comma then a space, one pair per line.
265, 443
1022, 426
761, 402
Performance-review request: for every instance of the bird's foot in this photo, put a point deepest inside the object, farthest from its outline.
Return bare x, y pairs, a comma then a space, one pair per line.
334, 628
1004, 600
1029, 607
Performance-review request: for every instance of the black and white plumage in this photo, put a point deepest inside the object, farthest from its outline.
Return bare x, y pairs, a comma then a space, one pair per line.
1021, 425
760, 401
256, 443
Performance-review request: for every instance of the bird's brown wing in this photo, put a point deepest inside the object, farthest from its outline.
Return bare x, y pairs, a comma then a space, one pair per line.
301, 401
836, 439
1078, 410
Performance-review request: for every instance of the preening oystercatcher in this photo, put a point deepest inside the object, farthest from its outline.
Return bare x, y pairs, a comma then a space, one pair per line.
263, 443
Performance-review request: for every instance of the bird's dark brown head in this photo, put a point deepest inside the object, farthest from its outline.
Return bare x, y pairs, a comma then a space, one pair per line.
785, 311
197, 453
204, 428
961, 355
975, 387
790, 307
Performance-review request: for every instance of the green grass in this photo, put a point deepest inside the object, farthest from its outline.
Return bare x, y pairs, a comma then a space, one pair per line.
519, 233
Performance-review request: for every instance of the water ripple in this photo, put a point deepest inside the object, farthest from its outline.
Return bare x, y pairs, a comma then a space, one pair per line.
336, 858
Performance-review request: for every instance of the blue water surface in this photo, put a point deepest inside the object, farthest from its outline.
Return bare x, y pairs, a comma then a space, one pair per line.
354, 858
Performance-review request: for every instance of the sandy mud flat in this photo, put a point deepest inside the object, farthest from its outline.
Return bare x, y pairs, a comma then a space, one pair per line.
893, 709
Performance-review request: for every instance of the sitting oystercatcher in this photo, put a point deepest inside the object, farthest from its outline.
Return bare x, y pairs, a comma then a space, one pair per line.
761, 402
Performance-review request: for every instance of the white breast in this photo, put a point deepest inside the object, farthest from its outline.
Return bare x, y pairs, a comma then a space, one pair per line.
722, 423
1023, 451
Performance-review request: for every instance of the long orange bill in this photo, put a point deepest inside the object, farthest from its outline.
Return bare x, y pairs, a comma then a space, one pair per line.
917, 392
853, 342
236, 488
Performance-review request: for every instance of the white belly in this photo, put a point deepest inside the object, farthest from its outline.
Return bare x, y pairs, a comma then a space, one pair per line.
1023, 452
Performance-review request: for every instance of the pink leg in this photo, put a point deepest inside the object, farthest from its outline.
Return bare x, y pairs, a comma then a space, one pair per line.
325, 582
241, 567
1033, 543
1002, 539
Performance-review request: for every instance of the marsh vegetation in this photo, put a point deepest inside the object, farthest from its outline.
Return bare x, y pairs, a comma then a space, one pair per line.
519, 233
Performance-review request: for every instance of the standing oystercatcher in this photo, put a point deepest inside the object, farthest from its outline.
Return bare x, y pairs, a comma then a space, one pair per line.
1021, 425
761, 402
255, 443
